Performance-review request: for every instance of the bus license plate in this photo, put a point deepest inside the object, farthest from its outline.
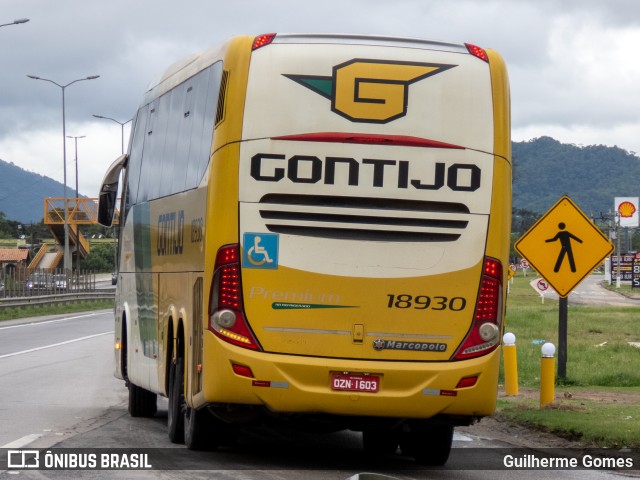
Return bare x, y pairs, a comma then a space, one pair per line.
353, 382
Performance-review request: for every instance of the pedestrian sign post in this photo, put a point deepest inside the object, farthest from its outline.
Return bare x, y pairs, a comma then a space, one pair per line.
564, 246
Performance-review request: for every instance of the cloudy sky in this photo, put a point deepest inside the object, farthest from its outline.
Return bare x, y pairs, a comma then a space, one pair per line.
573, 64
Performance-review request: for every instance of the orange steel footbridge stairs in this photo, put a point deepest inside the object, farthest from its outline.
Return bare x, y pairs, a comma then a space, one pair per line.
80, 211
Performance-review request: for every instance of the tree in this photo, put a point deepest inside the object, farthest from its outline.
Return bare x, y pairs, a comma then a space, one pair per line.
100, 258
8, 228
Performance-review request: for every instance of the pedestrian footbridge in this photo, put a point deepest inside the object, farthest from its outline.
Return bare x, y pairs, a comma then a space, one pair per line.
80, 211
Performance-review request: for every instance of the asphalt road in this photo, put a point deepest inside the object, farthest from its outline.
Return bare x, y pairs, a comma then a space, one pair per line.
54, 373
58, 391
590, 292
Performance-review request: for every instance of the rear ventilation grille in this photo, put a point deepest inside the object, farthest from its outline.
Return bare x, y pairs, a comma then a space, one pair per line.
222, 97
357, 218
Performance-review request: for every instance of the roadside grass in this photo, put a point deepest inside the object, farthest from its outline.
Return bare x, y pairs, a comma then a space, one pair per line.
590, 422
625, 289
600, 358
8, 243
41, 310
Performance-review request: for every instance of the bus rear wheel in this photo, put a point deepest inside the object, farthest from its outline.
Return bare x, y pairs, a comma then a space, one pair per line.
175, 411
199, 430
142, 403
377, 442
204, 431
427, 444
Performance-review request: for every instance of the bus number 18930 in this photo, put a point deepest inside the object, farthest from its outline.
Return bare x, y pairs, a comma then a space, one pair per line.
423, 302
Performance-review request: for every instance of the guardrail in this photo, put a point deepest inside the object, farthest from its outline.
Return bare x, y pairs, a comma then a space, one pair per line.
14, 302
45, 281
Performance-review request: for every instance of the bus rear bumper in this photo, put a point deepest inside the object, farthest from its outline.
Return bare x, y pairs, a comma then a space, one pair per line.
295, 384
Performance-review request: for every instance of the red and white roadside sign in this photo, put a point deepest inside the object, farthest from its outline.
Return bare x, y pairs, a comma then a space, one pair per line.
524, 263
542, 285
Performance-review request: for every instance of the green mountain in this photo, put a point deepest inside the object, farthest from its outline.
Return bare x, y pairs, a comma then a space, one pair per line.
22, 193
592, 176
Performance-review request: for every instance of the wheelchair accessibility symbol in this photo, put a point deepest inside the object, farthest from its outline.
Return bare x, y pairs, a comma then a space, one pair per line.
260, 250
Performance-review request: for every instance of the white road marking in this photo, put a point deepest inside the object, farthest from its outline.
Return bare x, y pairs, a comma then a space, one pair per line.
459, 437
55, 344
22, 442
30, 324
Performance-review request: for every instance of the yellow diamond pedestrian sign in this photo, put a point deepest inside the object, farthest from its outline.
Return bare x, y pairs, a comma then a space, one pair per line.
564, 246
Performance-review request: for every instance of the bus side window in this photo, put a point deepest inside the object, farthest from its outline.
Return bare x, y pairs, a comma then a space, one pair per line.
171, 161
135, 160
206, 87
171, 146
151, 173
182, 130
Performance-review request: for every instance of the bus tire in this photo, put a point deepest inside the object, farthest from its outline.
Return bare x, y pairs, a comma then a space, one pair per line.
380, 442
142, 403
175, 410
203, 431
427, 444
199, 430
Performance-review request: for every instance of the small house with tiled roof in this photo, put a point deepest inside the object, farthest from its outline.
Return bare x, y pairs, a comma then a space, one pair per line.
13, 259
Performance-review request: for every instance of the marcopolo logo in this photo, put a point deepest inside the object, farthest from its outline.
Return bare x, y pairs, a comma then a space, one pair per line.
370, 91
380, 344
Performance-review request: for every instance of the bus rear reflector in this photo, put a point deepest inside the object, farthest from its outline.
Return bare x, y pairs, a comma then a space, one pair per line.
242, 370
484, 335
263, 40
226, 309
467, 382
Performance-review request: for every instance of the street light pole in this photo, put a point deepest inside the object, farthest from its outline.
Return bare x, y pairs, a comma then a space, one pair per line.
77, 198
115, 232
67, 258
15, 22
122, 124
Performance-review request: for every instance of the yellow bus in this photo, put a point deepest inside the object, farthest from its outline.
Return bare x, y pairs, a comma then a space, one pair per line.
315, 228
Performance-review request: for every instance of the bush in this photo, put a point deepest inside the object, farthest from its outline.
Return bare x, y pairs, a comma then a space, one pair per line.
100, 258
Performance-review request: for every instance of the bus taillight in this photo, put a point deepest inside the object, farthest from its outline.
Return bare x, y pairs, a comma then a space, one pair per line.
485, 331
263, 40
477, 52
226, 309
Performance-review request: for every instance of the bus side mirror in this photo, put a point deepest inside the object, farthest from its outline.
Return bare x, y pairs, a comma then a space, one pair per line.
109, 192
107, 204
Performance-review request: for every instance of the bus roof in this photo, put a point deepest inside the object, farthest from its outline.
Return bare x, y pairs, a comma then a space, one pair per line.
383, 40
192, 64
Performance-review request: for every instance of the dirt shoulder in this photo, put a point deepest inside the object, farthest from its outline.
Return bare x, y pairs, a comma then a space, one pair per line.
499, 429
509, 434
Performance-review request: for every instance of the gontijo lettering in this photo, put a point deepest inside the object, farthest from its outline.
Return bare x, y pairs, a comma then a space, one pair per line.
461, 177
170, 233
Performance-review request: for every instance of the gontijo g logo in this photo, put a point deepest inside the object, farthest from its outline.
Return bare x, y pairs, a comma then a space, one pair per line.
370, 91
